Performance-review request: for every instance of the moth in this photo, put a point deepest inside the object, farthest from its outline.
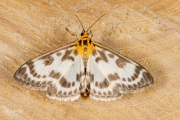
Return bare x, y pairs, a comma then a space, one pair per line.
83, 67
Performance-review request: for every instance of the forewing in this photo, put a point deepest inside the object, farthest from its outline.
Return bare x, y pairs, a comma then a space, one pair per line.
113, 75
55, 72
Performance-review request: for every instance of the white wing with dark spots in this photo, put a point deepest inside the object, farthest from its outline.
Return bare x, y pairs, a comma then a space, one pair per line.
58, 73
113, 75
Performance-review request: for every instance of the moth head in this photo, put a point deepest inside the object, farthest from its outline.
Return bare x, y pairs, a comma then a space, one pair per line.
84, 34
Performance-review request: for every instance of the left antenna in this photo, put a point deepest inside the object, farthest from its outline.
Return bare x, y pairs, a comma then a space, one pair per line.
81, 23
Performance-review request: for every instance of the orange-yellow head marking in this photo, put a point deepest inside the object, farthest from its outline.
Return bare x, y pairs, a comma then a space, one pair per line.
85, 45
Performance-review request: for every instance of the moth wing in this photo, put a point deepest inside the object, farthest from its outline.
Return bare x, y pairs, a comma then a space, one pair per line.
112, 75
54, 72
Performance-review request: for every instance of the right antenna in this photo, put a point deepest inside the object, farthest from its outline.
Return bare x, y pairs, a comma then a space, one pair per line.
95, 22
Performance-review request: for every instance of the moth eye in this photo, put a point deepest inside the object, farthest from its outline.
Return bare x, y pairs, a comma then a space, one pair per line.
82, 34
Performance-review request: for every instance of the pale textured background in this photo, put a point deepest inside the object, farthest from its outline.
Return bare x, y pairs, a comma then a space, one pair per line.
146, 31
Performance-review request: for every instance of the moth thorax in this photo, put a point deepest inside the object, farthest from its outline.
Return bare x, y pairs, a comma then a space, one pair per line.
85, 49
84, 46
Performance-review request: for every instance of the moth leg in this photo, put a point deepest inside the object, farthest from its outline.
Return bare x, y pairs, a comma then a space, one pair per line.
90, 33
71, 33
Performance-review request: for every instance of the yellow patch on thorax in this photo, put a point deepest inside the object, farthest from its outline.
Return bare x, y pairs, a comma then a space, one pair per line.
85, 45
